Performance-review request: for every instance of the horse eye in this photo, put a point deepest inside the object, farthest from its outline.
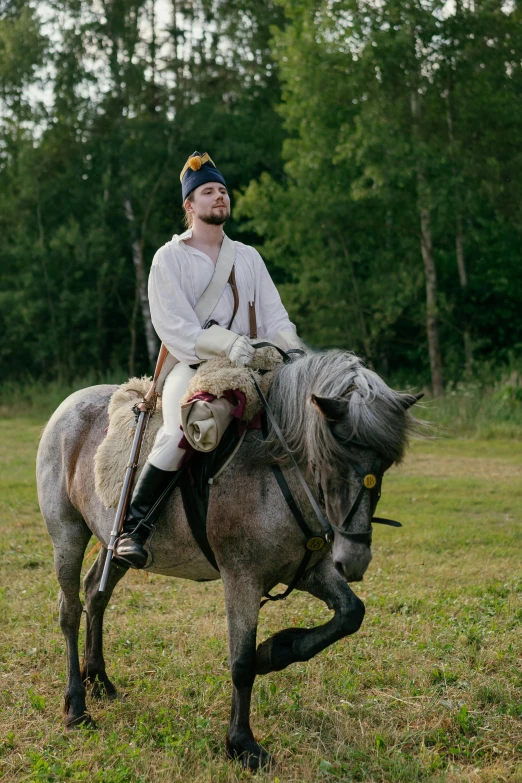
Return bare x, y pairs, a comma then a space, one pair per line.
386, 464
339, 436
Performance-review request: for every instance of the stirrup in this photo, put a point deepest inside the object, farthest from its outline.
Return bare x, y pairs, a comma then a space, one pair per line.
130, 551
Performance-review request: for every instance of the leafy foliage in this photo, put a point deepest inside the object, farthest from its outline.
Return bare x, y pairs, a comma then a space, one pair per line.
361, 165
101, 116
355, 134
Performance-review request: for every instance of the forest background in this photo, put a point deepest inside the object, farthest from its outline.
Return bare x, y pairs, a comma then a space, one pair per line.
373, 150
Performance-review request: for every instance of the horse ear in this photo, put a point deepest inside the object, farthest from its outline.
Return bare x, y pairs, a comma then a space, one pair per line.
410, 399
333, 410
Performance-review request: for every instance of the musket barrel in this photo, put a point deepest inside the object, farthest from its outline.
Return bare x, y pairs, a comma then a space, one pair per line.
145, 408
125, 493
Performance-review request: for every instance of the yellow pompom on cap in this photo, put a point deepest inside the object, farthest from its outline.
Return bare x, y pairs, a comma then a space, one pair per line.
195, 162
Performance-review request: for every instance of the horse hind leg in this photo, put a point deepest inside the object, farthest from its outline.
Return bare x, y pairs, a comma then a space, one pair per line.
69, 549
93, 666
300, 644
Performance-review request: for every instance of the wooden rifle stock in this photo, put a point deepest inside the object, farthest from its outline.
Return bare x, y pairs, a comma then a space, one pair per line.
145, 407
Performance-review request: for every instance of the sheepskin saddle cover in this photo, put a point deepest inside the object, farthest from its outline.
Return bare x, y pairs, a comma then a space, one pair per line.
215, 376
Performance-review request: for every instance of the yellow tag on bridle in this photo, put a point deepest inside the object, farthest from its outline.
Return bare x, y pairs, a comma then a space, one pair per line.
369, 481
315, 543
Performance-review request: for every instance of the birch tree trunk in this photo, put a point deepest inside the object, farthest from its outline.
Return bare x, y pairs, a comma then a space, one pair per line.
141, 284
127, 45
50, 302
459, 227
430, 273
358, 304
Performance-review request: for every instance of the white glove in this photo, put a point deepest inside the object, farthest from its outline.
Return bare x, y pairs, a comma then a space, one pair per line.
214, 341
241, 352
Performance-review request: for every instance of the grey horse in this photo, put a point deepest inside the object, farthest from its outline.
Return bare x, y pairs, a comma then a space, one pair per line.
337, 417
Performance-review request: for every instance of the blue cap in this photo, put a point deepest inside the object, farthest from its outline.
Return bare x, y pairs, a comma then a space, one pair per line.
198, 170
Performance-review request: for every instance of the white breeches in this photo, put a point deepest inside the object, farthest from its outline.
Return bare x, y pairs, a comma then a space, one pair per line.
166, 454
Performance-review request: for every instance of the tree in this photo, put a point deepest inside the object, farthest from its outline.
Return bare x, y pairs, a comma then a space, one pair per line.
97, 191
370, 158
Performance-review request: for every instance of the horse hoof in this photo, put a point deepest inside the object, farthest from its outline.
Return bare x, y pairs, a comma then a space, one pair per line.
104, 690
84, 720
101, 686
251, 755
277, 652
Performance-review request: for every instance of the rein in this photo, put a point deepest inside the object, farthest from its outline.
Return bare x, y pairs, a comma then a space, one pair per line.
370, 481
313, 502
314, 543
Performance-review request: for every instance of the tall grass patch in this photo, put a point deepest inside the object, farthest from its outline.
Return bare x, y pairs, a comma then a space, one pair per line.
486, 404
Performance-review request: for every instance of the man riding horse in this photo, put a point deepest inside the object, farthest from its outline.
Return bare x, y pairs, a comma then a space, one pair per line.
249, 306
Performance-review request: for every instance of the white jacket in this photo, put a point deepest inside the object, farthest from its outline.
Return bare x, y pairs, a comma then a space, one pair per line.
179, 275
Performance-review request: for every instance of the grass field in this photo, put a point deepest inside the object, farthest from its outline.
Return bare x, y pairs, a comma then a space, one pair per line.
430, 689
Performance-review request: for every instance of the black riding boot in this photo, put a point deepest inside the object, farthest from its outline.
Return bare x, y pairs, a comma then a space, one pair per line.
141, 515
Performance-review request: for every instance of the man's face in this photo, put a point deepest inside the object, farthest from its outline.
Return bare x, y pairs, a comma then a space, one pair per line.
211, 204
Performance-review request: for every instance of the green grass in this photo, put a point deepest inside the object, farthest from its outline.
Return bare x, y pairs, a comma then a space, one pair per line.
37, 400
430, 689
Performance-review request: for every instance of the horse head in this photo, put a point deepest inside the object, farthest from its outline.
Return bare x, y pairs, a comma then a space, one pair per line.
370, 424
346, 427
351, 495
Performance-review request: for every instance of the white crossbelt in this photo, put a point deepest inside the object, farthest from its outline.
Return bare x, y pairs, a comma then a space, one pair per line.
208, 300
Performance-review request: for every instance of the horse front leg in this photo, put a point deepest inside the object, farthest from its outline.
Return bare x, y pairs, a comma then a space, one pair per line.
93, 665
300, 644
242, 603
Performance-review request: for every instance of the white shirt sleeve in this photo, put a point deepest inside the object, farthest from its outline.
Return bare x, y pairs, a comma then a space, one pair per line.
270, 311
172, 315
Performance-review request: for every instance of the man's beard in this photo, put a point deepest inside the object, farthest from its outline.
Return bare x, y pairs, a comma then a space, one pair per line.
215, 219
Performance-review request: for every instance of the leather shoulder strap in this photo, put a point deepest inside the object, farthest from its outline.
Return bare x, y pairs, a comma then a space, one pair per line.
212, 293
232, 281
252, 320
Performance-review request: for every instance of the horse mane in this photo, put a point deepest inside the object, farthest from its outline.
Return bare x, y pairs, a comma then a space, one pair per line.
377, 417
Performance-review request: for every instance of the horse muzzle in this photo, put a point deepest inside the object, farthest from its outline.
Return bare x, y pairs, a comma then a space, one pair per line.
351, 560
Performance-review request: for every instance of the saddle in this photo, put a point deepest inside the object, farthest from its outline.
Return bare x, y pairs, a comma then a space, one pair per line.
216, 378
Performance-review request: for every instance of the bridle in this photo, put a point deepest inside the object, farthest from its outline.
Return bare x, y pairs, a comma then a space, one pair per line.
371, 481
